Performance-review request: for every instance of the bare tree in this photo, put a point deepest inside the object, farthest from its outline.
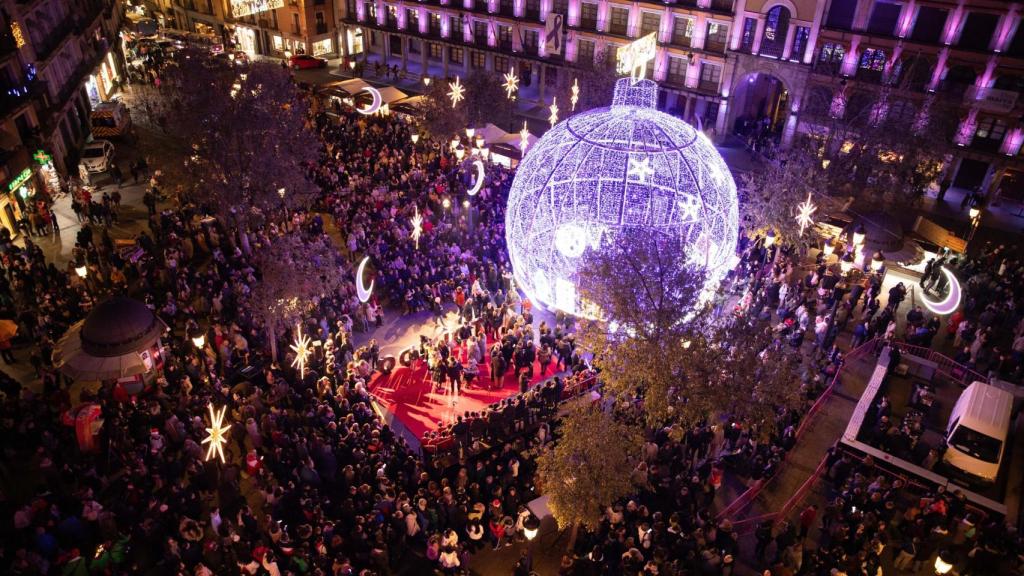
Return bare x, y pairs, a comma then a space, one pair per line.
439, 117
881, 143
292, 274
487, 101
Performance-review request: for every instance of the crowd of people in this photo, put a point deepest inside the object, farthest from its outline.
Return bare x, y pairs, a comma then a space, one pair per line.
315, 482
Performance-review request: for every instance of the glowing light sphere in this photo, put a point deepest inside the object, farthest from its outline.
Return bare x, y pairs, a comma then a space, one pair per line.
607, 171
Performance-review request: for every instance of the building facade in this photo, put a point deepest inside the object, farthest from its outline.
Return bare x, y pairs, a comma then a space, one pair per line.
966, 53
709, 54
56, 57
280, 28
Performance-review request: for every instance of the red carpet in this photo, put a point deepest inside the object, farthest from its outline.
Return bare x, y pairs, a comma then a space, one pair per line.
408, 395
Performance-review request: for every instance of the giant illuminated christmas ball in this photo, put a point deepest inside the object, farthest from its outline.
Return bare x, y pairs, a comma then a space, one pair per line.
606, 172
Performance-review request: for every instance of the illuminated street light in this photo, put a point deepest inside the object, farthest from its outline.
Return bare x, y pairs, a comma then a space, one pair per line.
974, 212
479, 141
531, 525
460, 152
769, 239
465, 203
877, 261
858, 235
82, 271
828, 248
846, 263
415, 138
943, 566
470, 132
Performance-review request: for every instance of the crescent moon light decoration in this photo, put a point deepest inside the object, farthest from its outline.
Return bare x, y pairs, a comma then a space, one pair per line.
951, 302
375, 105
475, 189
361, 291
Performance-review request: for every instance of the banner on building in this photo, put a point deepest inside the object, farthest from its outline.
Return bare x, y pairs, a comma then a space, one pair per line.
554, 32
240, 8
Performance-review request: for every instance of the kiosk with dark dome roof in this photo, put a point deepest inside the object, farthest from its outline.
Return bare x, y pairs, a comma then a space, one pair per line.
119, 339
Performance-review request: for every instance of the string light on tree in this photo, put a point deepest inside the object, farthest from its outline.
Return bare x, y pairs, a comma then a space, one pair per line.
216, 434
575, 93
805, 210
302, 350
553, 117
417, 226
457, 92
511, 84
524, 140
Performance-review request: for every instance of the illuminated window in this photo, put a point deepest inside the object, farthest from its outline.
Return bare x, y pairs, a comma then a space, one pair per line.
873, 59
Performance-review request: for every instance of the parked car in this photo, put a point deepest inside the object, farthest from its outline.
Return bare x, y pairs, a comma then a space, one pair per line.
978, 429
97, 156
303, 61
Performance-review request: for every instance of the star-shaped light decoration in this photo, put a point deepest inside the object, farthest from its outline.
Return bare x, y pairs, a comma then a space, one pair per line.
524, 139
217, 433
511, 84
575, 93
457, 92
302, 351
553, 117
417, 227
640, 169
804, 212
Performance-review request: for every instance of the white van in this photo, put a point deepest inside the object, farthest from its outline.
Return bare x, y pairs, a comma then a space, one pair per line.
977, 430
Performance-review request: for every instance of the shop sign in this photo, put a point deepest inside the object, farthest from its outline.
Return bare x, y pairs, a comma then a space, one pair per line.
241, 8
19, 180
42, 157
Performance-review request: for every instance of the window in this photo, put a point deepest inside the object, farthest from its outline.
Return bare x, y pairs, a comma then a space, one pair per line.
840, 14
710, 75
717, 37
371, 11
560, 7
884, 18
832, 53
530, 41
649, 22
619, 21
506, 8
799, 43
682, 31
455, 55
477, 60
455, 28
415, 46
980, 446
588, 16
505, 37
1016, 47
533, 9
434, 24
434, 51
747, 39
585, 53
776, 27
412, 19
550, 76
677, 70
480, 32
978, 31
872, 59
929, 24
501, 64
295, 20
991, 128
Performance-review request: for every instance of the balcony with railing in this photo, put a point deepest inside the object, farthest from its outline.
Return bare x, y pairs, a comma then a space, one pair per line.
713, 45
707, 86
54, 39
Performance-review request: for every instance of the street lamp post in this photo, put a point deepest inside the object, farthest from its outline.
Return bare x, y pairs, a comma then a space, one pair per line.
975, 214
